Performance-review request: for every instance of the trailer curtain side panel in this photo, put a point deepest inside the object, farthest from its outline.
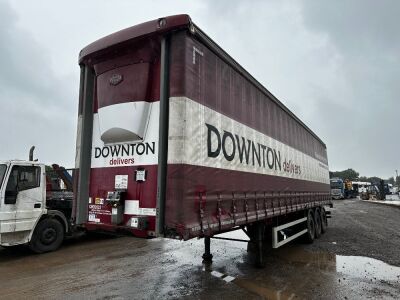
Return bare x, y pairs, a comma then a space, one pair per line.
233, 153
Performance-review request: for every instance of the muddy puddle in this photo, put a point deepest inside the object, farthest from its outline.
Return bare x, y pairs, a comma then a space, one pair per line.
162, 269
292, 272
305, 274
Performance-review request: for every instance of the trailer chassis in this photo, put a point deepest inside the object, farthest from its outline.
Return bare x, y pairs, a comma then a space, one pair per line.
261, 234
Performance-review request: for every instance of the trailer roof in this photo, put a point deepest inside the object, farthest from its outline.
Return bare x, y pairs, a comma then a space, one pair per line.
128, 34
172, 23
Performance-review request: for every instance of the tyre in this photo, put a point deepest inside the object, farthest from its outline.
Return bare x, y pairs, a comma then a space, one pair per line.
324, 220
48, 236
318, 222
310, 234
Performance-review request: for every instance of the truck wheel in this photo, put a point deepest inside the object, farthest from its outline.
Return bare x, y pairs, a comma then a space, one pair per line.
310, 234
48, 236
324, 220
318, 222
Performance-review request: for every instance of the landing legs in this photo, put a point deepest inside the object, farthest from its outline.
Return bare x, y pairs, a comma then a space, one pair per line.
260, 245
256, 245
207, 256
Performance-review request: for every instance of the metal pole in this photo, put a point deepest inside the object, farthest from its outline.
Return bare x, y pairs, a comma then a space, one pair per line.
75, 173
163, 136
207, 256
85, 141
260, 245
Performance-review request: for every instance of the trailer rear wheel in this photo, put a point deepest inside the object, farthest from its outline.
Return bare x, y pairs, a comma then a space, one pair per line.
318, 222
310, 234
324, 220
48, 236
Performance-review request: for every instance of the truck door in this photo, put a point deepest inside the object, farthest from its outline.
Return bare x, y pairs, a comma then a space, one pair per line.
23, 203
7, 207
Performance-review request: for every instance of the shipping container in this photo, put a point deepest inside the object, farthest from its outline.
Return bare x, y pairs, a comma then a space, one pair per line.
176, 139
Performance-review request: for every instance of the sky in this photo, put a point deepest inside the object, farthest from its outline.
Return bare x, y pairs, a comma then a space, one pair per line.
335, 64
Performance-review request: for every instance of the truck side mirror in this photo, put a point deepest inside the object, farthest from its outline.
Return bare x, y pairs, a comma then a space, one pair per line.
10, 197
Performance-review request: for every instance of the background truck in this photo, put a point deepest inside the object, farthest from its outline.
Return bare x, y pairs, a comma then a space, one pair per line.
350, 189
360, 186
337, 188
343, 189
176, 139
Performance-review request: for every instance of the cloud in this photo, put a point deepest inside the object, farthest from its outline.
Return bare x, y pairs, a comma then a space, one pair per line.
359, 110
37, 105
335, 64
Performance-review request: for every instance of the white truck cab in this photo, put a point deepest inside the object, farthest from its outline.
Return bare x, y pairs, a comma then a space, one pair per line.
24, 214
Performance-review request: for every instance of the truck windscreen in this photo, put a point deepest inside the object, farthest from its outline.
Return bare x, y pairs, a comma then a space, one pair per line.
336, 185
3, 169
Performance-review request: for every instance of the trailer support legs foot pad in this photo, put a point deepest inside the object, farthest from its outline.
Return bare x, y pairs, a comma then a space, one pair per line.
207, 256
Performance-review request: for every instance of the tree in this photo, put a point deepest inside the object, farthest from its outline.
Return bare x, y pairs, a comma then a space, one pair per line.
390, 180
346, 174
374, 180
363, 179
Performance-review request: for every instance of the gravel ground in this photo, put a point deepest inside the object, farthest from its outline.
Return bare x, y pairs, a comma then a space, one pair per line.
348, 262
363, 229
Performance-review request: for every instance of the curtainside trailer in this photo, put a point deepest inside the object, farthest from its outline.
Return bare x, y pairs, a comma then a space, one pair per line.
176, 139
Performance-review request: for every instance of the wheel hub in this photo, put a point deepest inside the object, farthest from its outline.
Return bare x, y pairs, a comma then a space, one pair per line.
48, 236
